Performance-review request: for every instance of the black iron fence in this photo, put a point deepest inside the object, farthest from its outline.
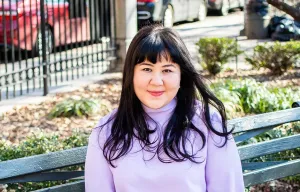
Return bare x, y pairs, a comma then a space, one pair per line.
44, 43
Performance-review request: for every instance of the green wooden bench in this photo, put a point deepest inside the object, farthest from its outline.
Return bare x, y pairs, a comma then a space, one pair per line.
40, 167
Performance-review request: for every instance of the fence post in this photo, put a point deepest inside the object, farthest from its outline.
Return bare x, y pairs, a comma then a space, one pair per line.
44, 55
126, 27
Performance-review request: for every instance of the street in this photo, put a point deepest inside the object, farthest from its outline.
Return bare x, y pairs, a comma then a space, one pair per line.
214, 26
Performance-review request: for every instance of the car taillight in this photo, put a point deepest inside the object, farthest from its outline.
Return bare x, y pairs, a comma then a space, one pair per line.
147, 1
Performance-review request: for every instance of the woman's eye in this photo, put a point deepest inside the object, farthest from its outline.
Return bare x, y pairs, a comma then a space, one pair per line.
147, 69
167, 71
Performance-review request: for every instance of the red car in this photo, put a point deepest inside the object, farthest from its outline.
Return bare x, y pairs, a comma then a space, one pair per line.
20, 23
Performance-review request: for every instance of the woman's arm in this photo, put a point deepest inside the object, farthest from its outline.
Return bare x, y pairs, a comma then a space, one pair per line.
98, 176
223, 165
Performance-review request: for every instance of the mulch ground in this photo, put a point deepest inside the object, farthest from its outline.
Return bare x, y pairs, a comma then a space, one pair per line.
24, 121
290, 78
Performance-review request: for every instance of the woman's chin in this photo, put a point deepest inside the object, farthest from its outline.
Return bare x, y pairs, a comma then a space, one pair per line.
155, 105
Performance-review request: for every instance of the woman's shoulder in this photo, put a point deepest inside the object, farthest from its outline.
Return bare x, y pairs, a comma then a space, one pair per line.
199, 111
199, 117
102, 129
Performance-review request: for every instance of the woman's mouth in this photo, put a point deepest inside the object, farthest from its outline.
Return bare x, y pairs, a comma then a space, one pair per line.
156, 93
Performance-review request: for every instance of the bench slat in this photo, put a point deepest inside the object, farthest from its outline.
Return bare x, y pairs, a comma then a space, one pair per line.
43, 162
269, 147
271, 173
260, 165
77, 186
39, 177
264, 120
249, 134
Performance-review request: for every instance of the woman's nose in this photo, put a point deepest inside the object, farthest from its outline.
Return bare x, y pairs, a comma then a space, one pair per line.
157, 79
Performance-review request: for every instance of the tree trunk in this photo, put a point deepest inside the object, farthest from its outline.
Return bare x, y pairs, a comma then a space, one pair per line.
291, 10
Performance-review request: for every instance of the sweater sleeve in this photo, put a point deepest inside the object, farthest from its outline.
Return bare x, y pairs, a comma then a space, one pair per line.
98, 176
223, 164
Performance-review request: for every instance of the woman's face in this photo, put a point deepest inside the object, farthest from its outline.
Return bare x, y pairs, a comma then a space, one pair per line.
156, 84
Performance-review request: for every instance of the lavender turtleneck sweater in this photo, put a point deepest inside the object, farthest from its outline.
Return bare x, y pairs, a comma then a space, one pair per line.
220, 170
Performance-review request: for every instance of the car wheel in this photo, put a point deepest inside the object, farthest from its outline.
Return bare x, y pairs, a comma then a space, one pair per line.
202, 11
225, 8
241, 5
49, 42
168, 17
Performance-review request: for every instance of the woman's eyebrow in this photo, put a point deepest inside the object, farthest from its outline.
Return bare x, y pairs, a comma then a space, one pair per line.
169, 65
148, 64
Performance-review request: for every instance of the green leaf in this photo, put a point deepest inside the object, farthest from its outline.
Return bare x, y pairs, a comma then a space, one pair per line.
72, 107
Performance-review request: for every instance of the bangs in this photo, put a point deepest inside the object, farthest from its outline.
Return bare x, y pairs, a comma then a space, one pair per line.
154, 48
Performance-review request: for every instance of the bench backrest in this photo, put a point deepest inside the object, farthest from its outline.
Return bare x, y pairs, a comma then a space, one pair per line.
39, 167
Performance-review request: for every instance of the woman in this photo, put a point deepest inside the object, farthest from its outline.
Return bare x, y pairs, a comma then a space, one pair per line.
169, 133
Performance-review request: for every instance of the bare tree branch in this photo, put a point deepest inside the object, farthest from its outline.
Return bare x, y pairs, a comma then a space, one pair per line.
293, 11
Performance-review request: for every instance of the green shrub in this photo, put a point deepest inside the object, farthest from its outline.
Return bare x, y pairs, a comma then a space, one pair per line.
258, 98
40, 144
230, 99
254, 97
74, 107
215, 52
278, 57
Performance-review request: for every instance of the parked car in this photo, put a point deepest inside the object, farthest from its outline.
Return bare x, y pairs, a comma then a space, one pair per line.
223, 6
170, 11
20, 24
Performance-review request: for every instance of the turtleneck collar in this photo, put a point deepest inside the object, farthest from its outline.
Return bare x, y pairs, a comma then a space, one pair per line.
163, 114
168, 107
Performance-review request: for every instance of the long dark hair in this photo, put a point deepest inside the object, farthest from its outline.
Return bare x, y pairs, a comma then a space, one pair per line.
129, 121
